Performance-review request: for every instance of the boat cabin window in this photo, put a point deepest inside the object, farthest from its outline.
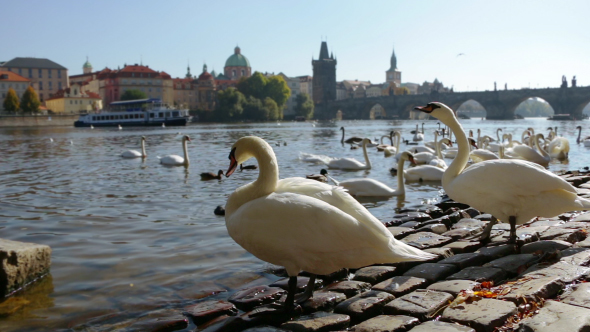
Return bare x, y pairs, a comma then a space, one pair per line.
151, 115
112, 117
167, 114
160, 115
175, 113
127, 116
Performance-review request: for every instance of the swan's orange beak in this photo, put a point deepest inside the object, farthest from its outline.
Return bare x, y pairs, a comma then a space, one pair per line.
412, 161
233, 163
427, 109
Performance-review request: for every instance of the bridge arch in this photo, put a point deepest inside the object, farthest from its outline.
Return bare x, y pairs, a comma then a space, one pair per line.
471, 108
531, 107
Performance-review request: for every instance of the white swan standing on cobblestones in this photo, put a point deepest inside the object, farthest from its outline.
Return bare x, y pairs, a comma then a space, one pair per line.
511, 190
303, 224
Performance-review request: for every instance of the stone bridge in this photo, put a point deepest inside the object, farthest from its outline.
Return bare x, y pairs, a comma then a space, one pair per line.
499, 105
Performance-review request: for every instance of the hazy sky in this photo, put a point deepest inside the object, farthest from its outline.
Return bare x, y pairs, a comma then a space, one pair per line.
522, 43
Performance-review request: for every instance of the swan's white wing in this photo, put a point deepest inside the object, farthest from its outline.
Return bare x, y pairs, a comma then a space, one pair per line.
366, 187
333, 195
345, 163
314, 158
523, 184
302, 232
172, 159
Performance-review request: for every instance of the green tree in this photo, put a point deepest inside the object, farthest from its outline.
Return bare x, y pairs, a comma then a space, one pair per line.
11, 102
230, 105
30, 102
273, 112
304, 106
254, 110
133, 94
253, 86
278, 90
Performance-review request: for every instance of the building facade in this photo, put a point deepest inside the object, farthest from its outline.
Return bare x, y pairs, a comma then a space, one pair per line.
110, 84
237, 66
12, 80
46, 76
324, 76
73, 100
206, 91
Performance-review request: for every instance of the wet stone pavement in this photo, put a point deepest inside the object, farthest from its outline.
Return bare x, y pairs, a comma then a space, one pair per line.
471, 286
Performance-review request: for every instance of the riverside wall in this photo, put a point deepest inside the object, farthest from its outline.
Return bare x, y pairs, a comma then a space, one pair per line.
37, 120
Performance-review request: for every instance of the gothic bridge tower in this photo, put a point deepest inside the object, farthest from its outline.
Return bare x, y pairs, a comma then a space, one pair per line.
324, 77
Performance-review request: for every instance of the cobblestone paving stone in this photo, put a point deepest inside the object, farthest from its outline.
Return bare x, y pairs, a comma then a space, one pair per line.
484, 315
452, 293
386, 323
422, 304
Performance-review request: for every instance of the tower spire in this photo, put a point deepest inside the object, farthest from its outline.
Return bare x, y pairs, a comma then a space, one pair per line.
393, 61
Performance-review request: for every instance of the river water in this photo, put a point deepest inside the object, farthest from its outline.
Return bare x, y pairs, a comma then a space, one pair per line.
131, 236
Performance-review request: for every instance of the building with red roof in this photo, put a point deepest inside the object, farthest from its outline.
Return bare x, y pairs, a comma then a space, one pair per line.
74, 100
46, 76
12, 80
110, 84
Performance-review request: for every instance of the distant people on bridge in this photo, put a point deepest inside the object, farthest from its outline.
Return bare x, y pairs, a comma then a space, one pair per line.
574, 82
563, 82
505, 86
495, 89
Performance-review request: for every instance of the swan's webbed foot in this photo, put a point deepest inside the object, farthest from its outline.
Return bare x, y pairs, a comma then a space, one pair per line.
289, 307
308, 293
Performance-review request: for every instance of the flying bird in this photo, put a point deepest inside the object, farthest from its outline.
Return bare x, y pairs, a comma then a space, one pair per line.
460, 54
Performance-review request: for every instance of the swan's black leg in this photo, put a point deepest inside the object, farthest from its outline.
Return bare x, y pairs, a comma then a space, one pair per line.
512, 221
485, 235
308, 290
290, 300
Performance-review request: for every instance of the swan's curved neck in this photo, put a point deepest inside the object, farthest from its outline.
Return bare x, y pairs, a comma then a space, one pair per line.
463, 150
268, 177
367, 161
342, 140
184, 148
437, 146
401, 187
143, 154
538, 146
498, 135
579, 135
398, 138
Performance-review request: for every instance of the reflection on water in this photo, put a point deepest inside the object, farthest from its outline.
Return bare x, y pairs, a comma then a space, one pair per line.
129, 236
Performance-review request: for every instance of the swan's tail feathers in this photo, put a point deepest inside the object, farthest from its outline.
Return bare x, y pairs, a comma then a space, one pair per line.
158, 157
333, 180
406, 253
583, 203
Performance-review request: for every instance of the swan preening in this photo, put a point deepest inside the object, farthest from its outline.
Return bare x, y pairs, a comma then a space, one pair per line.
175, 160
135, 153
374, 188
511, 190
303, 224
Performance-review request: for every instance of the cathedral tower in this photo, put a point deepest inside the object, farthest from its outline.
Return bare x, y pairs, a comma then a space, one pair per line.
324, 76
393, 75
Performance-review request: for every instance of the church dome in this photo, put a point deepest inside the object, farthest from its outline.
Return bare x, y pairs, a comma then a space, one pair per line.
205, 75
237, 59
87, 64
